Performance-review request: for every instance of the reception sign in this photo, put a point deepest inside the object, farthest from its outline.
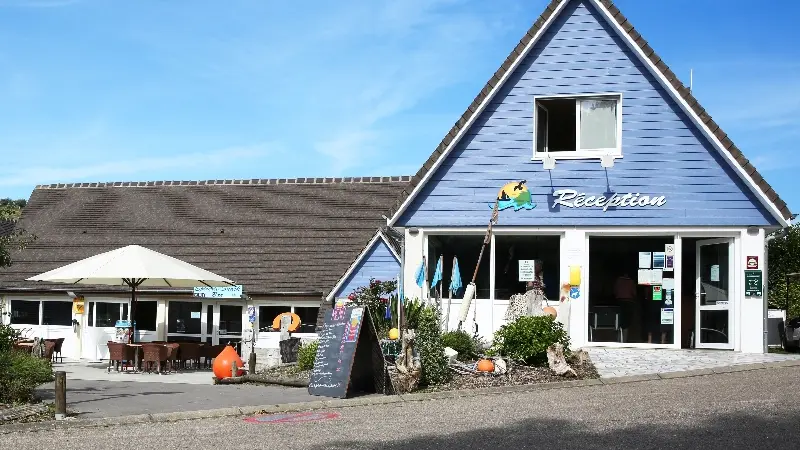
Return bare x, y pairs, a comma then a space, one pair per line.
218, 292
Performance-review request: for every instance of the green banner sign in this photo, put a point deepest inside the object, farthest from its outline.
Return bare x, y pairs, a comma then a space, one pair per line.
753, 282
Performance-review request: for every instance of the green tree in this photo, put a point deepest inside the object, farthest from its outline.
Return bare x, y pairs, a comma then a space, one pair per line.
12, 236
784, 258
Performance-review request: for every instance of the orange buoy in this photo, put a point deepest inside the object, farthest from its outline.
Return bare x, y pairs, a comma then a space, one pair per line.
550, 310
485, 365
276, 324
223, 362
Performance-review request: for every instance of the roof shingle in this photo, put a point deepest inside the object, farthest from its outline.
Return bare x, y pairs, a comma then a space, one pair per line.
271, 236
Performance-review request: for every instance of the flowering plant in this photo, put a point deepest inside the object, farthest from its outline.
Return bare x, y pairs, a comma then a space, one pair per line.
377, 296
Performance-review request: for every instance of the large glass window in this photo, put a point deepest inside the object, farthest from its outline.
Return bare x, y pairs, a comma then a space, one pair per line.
146, 313
631, 290
184, 317
514, 252
106, 314
466, 248
57, 313
25, 312
308, 317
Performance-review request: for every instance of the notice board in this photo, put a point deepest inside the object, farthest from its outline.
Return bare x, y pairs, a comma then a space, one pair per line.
349, 359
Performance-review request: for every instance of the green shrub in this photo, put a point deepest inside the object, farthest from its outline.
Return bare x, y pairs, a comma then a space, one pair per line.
428, 342
527, 339
306, 356
461, 342
20, 373
8, 335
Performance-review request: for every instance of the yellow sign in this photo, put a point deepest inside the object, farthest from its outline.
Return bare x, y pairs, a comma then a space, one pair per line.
77, 305
575, 275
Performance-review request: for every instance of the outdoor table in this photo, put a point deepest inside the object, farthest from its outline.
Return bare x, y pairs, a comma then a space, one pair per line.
135, 355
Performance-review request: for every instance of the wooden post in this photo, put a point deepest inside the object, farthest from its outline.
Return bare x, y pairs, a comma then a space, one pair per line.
61, 395
234, 369
251, 363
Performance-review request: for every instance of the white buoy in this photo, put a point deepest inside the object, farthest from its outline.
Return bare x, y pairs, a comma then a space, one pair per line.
469, 294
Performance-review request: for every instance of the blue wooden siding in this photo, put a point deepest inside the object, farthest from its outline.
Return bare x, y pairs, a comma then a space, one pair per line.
379, 263
663, 153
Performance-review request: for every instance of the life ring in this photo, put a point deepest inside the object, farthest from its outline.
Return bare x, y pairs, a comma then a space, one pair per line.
276, 324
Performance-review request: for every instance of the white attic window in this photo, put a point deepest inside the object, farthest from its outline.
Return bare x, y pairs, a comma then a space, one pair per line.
578, 127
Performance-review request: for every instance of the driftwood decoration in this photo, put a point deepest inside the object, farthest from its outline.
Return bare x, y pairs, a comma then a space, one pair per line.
407, 371
557, 362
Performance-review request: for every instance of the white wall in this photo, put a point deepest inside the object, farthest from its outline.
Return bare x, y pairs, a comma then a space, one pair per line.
752, 311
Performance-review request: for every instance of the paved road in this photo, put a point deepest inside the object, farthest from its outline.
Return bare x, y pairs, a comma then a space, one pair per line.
94, 399
746, 410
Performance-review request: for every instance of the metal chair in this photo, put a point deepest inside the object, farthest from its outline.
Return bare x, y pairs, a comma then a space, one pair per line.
605, 318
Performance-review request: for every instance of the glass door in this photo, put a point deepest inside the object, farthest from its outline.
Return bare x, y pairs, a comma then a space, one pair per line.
714, 294
229, 324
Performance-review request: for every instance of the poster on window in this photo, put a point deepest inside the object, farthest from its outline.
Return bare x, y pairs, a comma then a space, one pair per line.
715, 272
667, 316
527, 271
659, 260
645, 259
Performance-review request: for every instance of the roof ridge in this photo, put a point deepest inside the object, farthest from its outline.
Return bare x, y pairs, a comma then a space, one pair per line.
660, 65
230, 182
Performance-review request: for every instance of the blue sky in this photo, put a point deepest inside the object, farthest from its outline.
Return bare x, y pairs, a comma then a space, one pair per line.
106, 90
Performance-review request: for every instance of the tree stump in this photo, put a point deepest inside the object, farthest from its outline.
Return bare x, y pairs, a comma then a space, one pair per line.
289, 349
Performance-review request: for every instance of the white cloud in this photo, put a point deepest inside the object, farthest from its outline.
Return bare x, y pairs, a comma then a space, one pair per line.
114, 170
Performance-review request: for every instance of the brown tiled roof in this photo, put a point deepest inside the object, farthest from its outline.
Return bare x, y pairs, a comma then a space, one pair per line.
651, 55
278, 236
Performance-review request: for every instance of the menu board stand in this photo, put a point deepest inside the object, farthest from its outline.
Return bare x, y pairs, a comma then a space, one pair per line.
349, 359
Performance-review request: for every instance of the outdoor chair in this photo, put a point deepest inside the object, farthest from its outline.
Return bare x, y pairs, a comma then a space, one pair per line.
210, 352
189, 354
120, 355
605, 318
49, 348
57, 349
154, 354
172, 356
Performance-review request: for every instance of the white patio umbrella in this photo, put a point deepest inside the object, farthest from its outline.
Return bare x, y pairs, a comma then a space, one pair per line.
133, 266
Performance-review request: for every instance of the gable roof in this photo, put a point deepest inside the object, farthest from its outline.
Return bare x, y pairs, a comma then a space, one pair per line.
387, 235
281, 237
760, 187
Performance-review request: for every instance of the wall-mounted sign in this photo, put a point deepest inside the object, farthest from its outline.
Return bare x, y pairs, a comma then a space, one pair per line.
574, 199
514, 195
752, 262
753, 283
251, 314
218, 292
77, 305
574, 292
527, 270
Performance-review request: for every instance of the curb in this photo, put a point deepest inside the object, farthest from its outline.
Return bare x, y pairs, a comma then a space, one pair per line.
380, 399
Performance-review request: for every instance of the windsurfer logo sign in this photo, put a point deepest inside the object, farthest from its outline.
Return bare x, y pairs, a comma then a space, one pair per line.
516, 195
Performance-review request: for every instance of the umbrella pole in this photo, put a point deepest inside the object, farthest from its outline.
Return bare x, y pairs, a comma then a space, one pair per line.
132, 338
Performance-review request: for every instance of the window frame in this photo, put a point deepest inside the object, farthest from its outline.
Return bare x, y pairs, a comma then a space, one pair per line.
291, 304
578, 153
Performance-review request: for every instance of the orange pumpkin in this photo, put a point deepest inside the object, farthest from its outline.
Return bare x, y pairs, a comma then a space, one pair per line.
224, 361
485, 365
550, 310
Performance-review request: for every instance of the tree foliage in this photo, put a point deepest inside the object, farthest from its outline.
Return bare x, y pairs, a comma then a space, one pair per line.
12, 237
784, 258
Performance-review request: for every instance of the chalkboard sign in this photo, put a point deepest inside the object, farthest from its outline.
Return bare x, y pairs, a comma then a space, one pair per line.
346, 361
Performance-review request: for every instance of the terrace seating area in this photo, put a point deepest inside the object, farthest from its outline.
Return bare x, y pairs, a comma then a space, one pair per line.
52, 348
161, 357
